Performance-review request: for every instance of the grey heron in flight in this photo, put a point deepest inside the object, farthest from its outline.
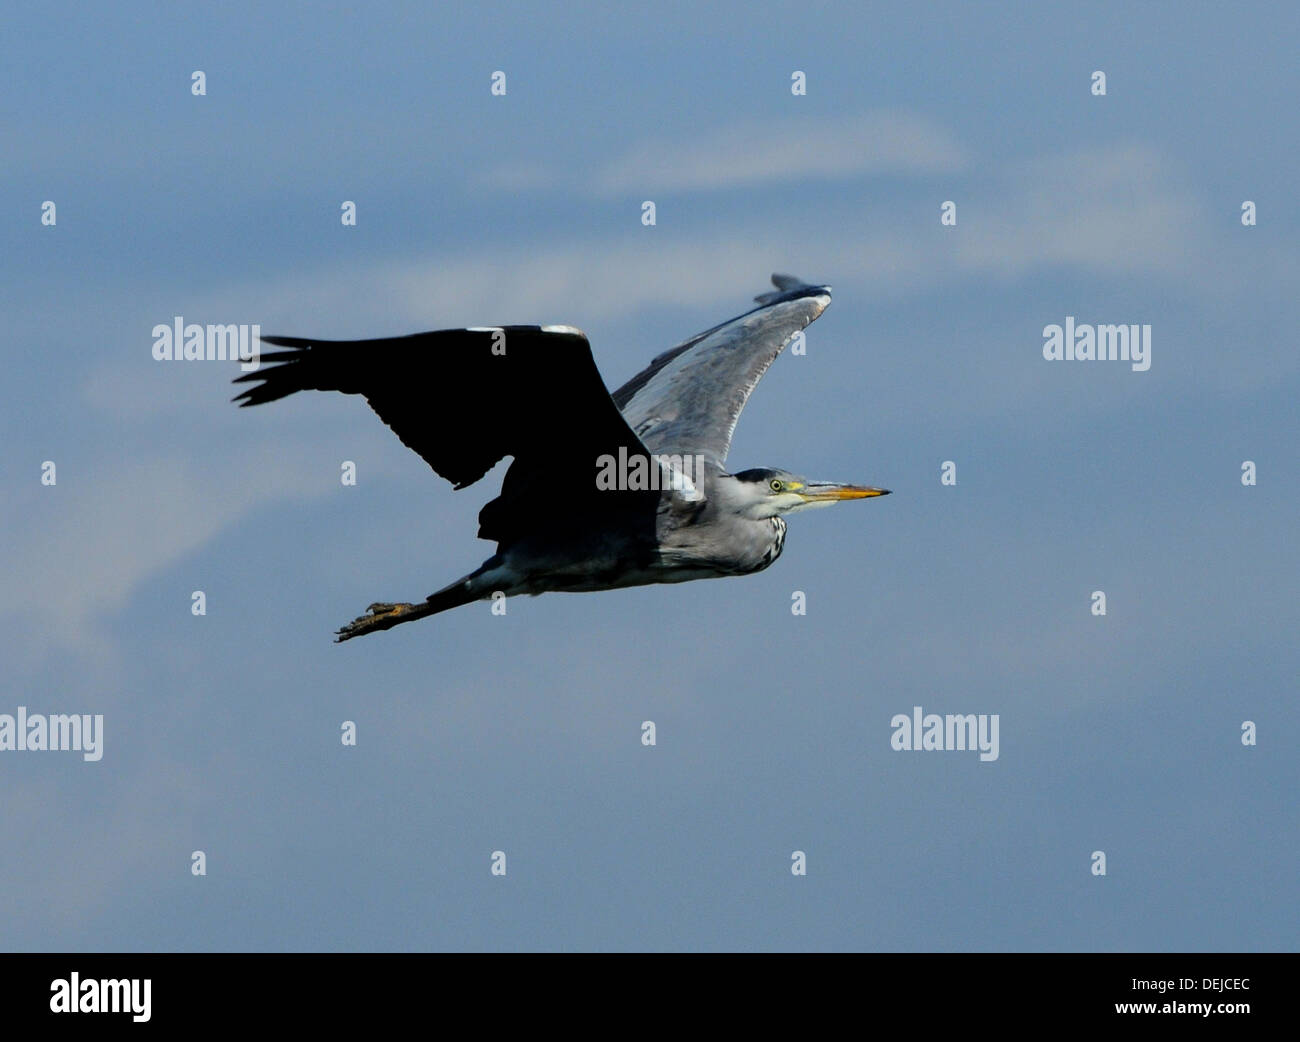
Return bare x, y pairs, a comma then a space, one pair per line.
568, 518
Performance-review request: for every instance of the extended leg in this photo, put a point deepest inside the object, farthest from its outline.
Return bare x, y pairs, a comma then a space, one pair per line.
385, 616
382, 616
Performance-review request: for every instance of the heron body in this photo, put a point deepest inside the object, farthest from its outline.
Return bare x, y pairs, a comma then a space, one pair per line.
465, 398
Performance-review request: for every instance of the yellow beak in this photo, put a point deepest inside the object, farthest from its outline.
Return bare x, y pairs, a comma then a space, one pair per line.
828, 493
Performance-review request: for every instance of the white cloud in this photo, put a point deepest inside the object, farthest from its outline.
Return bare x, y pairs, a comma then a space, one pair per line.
98, 536
789, 150
762, 152
1115, 210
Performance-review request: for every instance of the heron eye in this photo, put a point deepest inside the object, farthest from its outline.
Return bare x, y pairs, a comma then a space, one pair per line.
776, 485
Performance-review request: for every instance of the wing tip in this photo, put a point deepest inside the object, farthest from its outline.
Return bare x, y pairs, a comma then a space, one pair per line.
788, 287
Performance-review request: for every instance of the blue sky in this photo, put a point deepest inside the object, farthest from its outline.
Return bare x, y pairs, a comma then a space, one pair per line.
522, 733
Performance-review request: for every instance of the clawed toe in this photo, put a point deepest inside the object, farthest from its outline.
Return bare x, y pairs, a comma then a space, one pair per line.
382, 616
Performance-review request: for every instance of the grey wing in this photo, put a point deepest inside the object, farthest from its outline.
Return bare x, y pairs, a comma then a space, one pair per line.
688, 399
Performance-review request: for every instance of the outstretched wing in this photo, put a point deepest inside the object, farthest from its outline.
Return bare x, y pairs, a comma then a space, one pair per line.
688, 399
465, 398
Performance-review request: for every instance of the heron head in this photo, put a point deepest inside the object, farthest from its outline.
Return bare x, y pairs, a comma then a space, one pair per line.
768, 493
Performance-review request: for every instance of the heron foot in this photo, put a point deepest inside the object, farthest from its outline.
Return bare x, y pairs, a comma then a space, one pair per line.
382, 616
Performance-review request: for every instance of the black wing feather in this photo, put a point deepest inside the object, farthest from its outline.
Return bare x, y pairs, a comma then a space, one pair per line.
463, 406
